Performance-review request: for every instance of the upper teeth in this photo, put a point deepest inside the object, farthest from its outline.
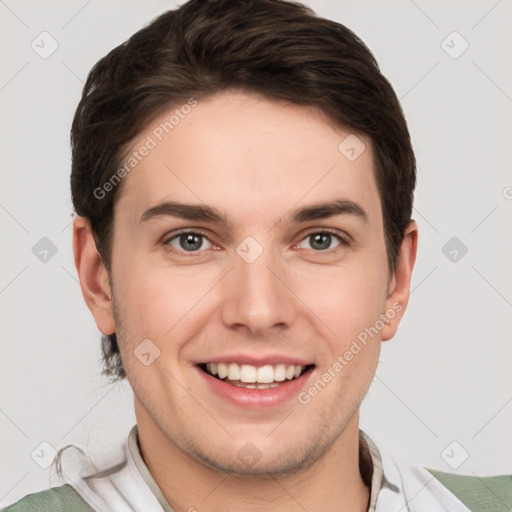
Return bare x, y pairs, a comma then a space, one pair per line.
247, 373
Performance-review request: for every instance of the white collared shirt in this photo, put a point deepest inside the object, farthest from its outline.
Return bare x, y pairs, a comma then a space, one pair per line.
396, 485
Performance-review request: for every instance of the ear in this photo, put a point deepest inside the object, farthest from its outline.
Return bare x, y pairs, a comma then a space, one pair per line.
93, 276
399, 286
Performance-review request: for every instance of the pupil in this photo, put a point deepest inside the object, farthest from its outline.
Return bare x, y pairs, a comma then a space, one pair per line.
321, 241
191, 242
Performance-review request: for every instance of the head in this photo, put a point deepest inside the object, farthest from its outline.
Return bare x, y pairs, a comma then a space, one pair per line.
244, 111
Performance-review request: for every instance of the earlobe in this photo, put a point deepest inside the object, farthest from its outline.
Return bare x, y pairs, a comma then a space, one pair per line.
400, 283
93, 276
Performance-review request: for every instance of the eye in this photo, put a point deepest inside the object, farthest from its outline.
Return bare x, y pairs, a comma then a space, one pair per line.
189, 242
321, 241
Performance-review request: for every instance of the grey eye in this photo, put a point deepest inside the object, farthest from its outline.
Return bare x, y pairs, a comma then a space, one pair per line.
189, 242
320, 241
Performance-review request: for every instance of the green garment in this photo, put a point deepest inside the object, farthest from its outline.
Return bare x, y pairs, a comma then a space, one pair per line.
489, 494
56, 499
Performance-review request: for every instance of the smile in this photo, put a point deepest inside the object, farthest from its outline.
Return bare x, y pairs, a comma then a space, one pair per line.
254, 377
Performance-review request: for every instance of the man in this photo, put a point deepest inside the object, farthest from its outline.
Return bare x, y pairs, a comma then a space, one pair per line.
243, 179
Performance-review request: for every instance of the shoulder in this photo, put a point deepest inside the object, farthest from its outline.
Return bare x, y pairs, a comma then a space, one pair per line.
479, 494
411, 486
56, 499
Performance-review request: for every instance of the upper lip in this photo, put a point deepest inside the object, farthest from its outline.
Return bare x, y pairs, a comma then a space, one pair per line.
255, 360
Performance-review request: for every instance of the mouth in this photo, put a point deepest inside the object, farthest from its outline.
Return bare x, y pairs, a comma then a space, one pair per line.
255, 377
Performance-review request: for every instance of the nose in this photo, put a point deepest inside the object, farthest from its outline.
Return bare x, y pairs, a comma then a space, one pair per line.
257, 297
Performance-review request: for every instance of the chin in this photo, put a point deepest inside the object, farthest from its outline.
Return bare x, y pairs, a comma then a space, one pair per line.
249, 460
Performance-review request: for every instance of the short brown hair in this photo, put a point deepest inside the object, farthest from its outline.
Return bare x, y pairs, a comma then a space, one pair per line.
276, 48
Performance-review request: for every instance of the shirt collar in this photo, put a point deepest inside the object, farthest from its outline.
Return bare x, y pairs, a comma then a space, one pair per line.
134, 449
372, 469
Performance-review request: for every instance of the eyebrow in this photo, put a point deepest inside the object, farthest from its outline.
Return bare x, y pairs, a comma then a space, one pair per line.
329, 209
185, 211
209, 214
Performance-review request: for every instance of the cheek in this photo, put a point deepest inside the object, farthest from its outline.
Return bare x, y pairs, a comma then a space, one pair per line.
155, 302
347, 299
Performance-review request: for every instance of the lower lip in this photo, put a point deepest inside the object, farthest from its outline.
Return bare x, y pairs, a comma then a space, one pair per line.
256, 398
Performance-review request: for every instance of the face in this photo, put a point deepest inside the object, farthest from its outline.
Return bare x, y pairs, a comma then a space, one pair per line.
248, 263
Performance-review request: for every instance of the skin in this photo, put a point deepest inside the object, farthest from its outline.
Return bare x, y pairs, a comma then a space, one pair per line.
255, 160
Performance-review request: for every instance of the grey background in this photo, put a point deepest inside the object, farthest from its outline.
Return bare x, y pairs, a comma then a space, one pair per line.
446, 375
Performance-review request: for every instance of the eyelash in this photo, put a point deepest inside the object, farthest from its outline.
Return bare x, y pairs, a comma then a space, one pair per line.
344, 240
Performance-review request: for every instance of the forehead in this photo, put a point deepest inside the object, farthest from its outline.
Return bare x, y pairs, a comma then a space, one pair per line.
249, 153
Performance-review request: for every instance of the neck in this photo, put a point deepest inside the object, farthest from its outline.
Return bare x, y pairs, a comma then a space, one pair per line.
332, 483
